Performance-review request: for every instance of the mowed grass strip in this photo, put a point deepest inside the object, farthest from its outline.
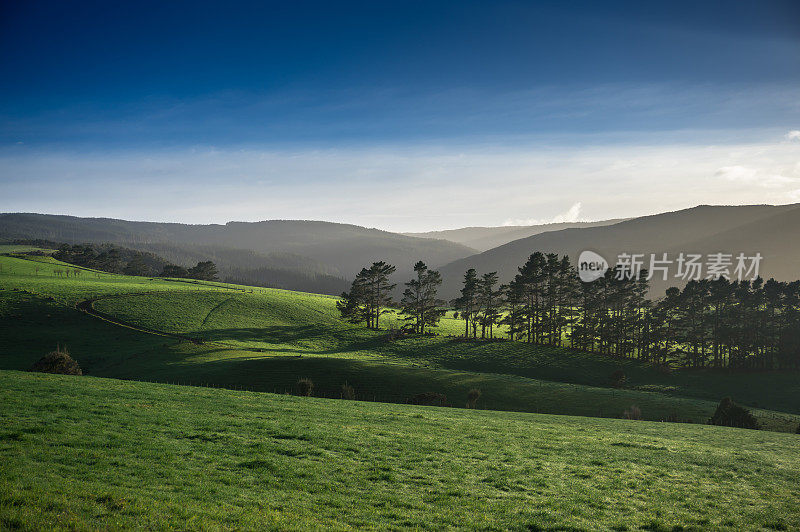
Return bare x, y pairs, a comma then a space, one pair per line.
84, 452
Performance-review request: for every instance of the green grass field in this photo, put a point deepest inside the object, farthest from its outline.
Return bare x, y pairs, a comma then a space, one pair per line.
91, 453
97, 453
266, 339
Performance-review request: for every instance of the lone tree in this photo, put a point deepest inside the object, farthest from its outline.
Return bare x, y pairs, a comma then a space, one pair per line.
420, 305
369, 295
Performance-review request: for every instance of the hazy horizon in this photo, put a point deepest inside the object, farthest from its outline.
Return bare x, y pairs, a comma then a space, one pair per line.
405, 117
570, 216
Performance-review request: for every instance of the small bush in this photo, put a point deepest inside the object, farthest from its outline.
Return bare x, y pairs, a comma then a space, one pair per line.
348, 392
632, 413
472, 397
429, 399
57, 361
618, 379
305, 387
729, 414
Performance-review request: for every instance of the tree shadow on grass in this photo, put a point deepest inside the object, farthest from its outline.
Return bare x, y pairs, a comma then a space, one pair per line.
313, 339
279, 374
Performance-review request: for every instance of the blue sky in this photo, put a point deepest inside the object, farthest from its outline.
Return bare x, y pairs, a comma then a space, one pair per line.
204, 112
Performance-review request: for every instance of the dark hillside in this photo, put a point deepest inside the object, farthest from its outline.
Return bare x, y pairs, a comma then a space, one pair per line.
772, 230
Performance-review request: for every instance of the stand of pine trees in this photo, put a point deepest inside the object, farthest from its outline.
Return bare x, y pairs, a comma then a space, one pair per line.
709, 323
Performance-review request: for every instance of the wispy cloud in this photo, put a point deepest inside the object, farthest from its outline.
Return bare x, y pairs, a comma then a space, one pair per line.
370, 115
793, 135
755, 176
573, 214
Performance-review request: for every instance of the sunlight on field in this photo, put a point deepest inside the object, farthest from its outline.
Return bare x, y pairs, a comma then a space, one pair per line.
266, 339
110, 454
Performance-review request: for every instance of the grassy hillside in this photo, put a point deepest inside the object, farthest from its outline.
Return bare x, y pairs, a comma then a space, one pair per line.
83, 452
265, 339
308, 324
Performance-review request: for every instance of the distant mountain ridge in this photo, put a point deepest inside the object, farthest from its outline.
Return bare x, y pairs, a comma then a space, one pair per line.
766, 229
486, 238
310, 248
324, 256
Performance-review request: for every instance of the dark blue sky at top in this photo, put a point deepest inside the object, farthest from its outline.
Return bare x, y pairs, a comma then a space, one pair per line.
125, 74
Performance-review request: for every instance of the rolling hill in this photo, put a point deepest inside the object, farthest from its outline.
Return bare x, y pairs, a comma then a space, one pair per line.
110, 451
770, 230
90, 453
251, 252
485, 238
265, 339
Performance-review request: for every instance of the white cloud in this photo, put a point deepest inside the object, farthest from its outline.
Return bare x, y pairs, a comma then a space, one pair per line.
793, 135
573, 214
755, 176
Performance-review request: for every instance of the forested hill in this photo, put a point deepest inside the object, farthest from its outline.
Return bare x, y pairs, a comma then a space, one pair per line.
241, 249
766, 229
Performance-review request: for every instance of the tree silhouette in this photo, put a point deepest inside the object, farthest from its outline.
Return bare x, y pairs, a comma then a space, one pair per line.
369, 295
467, 303
420, 305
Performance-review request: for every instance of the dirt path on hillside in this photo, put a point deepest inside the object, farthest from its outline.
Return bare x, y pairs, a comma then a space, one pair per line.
87, 306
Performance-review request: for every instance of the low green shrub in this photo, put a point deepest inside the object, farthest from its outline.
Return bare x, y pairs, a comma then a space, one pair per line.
618, 379
429, 399
472, 397
634, 412
729, 414
348, 392
58, 361
305, 387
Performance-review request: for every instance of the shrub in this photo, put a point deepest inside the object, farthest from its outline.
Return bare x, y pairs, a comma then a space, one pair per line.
632, 413
348, 392
729, 414
472, 397
429, 399
305, 387
57, 361
618, 379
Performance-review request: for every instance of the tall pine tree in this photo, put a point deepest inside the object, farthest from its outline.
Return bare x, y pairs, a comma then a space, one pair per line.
421, 307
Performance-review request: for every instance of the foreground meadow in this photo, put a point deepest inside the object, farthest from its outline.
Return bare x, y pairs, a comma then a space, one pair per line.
84, 452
